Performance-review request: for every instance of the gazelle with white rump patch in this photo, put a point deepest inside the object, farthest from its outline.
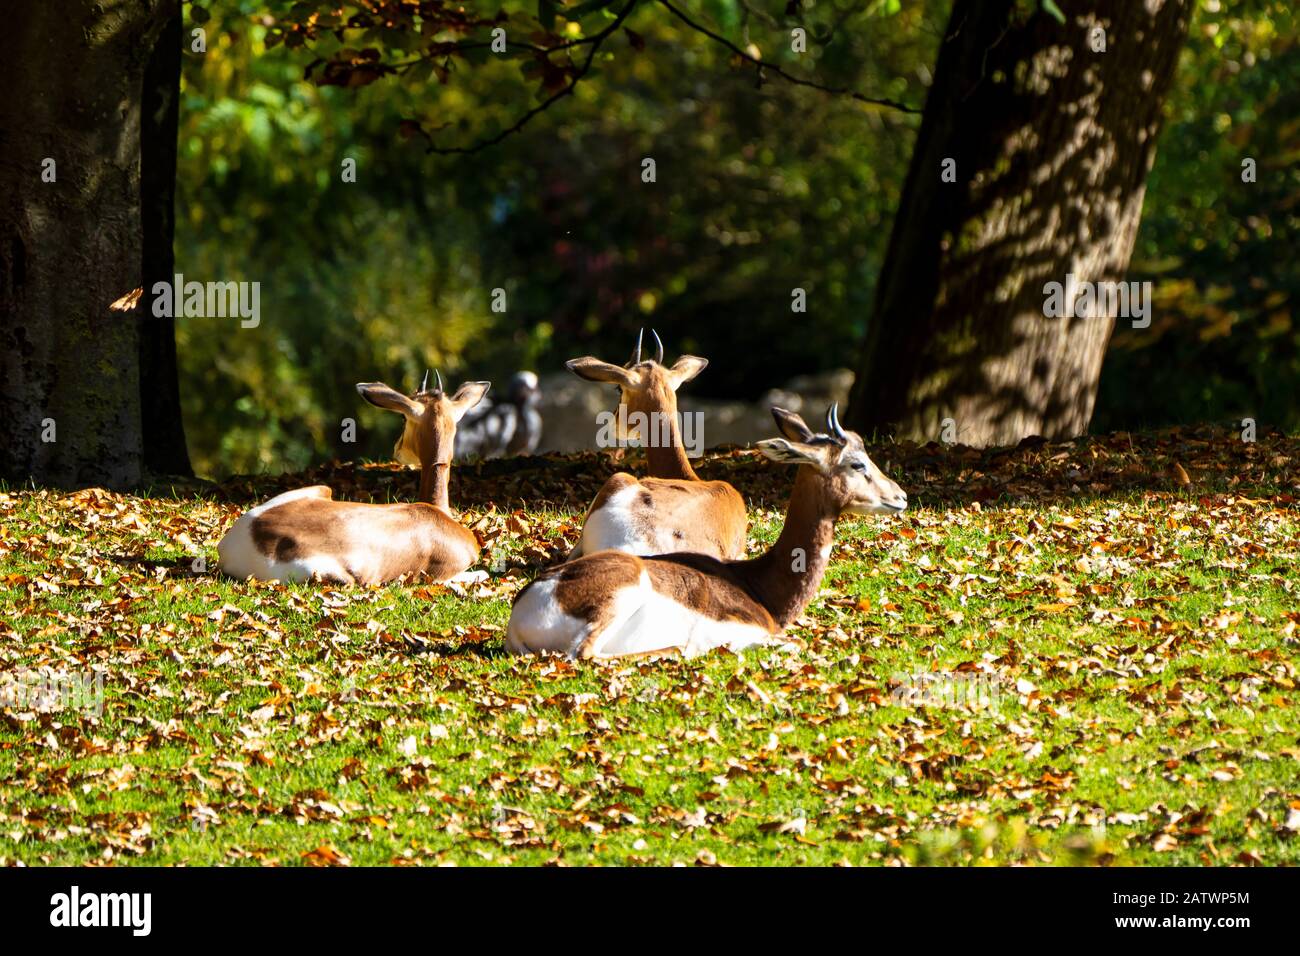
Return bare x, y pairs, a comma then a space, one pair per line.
305, 534
673, 510
614, 604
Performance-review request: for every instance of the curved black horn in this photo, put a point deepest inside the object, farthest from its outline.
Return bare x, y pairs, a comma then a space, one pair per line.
659, 348
424, 386
636, 356
833, 423
438, 375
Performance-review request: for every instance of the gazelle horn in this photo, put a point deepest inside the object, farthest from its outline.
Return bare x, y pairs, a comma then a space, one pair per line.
659, 348
833, 423
438, 376
424, 386
636, 356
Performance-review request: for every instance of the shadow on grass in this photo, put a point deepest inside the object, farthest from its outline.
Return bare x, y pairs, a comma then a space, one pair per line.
416, 646
183, 564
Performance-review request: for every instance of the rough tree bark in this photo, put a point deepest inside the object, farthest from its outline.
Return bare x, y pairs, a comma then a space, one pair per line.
69, 365
1052, 143
163, 431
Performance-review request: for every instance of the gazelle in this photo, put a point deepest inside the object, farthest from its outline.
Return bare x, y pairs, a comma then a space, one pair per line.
614, 604
673, 510
305, 534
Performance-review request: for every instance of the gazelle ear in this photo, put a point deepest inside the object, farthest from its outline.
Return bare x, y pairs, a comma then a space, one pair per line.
788, 452
685, 369
594, 370
466, 397
382, 396
791, 425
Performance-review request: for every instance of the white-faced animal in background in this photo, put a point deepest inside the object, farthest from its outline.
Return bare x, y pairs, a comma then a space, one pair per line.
614, 604
304, 534
672, 510
509, 427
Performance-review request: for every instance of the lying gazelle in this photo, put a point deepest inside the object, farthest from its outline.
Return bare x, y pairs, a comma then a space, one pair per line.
305, 534
614, 604
673, 510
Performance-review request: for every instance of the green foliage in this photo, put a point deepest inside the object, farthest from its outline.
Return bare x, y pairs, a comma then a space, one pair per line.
762, 188
359, 281
1224, 341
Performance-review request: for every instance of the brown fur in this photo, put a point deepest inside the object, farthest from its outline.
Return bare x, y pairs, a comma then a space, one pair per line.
703, 584
696, 581
429, 436
374, 543
606, 569
613, 485
707, 517
704, 517
771, 591
708, 586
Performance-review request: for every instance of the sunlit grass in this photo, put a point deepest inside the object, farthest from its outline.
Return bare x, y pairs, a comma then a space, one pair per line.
1142, 647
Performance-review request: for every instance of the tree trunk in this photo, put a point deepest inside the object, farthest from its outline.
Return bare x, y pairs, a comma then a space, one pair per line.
1052, 142
163, 430
70, 248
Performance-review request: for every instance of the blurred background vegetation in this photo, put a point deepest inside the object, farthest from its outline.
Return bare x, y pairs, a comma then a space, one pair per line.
759, 190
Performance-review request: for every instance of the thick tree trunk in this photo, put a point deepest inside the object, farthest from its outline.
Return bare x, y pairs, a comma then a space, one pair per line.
69, 382
160, 399
1052, 143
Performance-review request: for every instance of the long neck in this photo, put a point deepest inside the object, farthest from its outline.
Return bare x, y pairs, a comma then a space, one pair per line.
667, 459
434, 481
788, 576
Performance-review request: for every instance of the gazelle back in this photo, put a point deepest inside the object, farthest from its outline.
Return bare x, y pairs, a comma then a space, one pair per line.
613, 604
672, 510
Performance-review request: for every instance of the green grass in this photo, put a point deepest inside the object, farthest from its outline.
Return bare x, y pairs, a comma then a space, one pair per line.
1141, 637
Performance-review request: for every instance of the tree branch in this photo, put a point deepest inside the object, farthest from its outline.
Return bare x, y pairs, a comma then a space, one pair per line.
763, 15
596, 40
446, 49
789, 78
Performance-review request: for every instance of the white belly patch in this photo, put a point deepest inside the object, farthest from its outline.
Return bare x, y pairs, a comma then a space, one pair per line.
643, 621
649, 621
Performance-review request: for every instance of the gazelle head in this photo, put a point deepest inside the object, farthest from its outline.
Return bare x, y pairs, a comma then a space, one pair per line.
852, 482
429, 438
645, 385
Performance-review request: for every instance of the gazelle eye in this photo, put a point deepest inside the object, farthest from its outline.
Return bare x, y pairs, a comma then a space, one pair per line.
860, 466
